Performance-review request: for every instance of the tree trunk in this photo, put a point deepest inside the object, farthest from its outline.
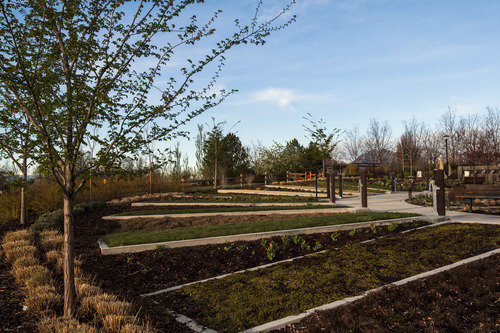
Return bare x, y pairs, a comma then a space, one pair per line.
69, 269
90, 190
22, 218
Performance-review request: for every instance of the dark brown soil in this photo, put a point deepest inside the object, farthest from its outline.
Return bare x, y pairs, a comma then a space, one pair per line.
136, 224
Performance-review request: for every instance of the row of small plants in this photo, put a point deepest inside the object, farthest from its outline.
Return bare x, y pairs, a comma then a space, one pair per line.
36, 259
273, 247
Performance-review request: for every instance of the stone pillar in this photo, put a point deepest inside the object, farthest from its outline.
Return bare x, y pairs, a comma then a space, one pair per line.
440, 192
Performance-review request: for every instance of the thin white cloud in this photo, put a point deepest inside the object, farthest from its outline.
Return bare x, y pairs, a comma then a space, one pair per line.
281, 97
289, 100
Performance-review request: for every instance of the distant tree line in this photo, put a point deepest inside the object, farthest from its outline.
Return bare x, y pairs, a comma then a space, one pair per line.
471, 140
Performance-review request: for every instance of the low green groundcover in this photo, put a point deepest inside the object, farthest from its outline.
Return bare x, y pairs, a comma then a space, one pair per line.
157, 236
245, 300
223, 210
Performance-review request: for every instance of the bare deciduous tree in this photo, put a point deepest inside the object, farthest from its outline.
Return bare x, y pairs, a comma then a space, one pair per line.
409, 147
353, 144
378, 141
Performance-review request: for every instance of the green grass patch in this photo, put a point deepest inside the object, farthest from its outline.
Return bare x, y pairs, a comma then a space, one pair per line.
145, 237
223, 210
244, 300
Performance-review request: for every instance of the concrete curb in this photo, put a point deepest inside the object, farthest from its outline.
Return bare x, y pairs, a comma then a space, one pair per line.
106, 250
273, 193
263, 212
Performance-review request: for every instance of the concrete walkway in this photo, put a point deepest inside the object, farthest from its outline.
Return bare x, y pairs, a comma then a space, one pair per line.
396, 203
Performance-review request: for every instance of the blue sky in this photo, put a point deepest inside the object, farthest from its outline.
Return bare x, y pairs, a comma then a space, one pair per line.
349, 61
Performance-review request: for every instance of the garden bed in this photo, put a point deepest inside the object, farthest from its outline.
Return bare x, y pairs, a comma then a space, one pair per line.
249, 299
187, 233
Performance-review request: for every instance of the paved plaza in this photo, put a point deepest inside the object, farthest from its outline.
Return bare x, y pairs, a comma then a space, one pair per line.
395, 202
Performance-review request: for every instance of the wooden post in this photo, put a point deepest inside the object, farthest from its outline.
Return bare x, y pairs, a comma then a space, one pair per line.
341, 185
332, 187
440, 193
364, 189
328, 185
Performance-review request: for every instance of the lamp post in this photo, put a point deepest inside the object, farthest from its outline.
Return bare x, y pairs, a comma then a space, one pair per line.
446, 137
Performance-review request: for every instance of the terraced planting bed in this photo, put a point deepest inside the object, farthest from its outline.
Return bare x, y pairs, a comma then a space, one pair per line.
241, 301
250, 226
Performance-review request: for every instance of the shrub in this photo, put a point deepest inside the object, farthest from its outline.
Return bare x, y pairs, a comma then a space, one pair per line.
88, 304
39, 277
84, 289
23, 262
43, 300
119, 308
63, 325
17, 235
51, 240
55, 260
12, 254
134, 328
55, 219
10, 206
25, 273
9, 245
49, 221
44, 196
115, 323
